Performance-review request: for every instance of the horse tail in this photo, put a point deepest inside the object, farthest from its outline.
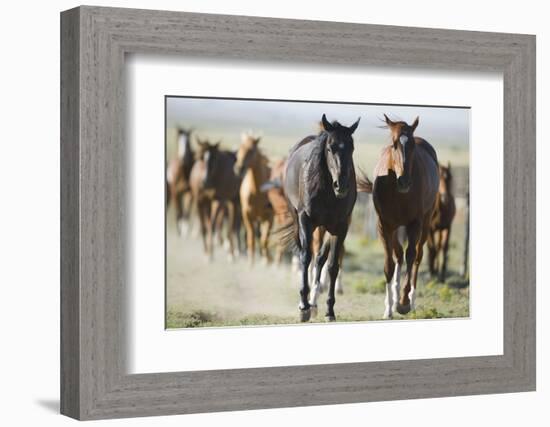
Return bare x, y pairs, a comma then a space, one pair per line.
364, 184
288, 233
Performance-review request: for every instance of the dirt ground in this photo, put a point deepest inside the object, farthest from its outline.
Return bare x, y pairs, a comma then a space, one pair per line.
225, 293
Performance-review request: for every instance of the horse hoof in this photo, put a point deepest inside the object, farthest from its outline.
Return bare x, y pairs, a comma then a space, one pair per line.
313, 310
403, 309
305, 315
330, 318
387, 315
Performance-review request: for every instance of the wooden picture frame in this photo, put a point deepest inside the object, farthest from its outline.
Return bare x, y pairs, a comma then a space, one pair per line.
94, 41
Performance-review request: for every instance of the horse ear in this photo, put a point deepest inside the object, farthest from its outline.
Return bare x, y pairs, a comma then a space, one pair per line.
449, 165
217, 144
388, 121
326, 124
353, 127
257, 140
415, 123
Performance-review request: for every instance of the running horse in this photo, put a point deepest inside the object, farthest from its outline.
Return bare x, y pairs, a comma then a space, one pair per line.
178, 172
440, 227
215, 189
320, 186
404, 191
252, 166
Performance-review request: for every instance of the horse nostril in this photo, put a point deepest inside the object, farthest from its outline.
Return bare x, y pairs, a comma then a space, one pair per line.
335, 185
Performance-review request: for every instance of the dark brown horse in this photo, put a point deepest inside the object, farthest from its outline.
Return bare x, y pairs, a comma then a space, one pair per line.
404, 190
321, 189
440, 227
215, 188
178, 172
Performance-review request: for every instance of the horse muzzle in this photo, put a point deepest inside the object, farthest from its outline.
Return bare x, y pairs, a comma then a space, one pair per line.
340, 191
403, 184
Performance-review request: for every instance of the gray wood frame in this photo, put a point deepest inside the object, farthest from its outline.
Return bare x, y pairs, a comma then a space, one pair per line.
94, 41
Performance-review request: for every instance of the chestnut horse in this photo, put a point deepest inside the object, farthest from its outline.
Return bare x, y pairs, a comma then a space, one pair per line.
215, 189
178, 172
253, 167
404, 190
321, 190
440, 227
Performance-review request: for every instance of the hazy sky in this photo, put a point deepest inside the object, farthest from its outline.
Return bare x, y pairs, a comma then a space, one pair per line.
439, 125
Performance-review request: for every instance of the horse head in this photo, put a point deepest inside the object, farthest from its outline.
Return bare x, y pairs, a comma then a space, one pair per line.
339, 154
403, 142
246, 154
209, 154
184, 141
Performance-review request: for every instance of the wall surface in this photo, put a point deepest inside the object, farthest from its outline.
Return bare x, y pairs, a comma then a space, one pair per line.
29, 217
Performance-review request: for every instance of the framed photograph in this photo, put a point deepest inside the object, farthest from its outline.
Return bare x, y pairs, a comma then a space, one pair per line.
261, 213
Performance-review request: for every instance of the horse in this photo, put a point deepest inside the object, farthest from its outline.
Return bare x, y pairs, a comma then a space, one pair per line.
178, 172
440, 227
406, 181
276, 197
215, 188
252, 166
320, 187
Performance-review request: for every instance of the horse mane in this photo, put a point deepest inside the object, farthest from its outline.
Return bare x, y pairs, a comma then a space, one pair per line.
288, 233
304, 141
421, 142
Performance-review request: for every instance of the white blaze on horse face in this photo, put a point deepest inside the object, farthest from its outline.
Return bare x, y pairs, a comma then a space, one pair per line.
403, 139
182, 145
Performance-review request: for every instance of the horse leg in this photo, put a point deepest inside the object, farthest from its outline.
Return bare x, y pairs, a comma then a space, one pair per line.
438, 247
336, 243
413, 235
320, 259
218, 226
305, 235
213, 222
250, 236
386, 235
339, 278
396, 285
203, 218
230, 206
431, 253
419, 253
264, 238
174, 199
191, 205
446, 235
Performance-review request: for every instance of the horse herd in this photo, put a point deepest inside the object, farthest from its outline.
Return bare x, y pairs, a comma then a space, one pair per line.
306, 202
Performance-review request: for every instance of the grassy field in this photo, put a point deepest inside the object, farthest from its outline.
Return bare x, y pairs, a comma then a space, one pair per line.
221, 293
